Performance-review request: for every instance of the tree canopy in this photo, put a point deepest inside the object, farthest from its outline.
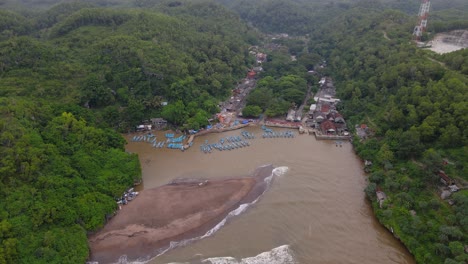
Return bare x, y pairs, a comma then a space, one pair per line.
72, 74
71, 77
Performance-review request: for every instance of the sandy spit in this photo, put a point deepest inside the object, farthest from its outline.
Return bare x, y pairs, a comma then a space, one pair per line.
173, 212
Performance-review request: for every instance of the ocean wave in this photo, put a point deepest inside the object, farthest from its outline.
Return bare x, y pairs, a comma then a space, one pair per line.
280, 171
280, 255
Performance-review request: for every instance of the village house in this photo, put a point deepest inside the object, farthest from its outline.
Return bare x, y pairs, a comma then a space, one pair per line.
230, 107
319, 116
298, 116
291, 115
312, 108
322, 81
328, 127
143, 127
261, 57
158, 123
444, 178
325, 109
335, 117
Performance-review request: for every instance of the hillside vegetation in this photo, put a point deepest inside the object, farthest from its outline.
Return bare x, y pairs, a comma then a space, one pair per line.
71, 77
73, 74
416, 112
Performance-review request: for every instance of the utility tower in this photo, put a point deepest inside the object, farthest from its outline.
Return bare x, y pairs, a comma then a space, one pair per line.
420, 28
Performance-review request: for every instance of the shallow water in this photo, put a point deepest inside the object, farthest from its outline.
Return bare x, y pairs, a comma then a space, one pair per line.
315, 205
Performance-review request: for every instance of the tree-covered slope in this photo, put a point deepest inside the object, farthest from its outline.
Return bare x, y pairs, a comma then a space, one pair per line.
103, 58
73, 74
59, 178
416, 111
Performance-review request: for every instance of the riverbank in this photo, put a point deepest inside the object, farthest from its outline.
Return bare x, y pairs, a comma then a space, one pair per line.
180, 210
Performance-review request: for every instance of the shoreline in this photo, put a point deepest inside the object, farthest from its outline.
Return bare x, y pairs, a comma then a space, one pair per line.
174, 212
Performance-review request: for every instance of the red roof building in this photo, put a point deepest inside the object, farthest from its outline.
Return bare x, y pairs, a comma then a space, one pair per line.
445, 178
335, 117
325, 109
328, 127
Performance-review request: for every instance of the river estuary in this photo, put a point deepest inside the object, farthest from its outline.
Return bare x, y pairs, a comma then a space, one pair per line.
315, 210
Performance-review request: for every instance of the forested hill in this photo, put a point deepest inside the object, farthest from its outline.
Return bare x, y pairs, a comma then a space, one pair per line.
413, 102
300, 17
74, 74
125, 63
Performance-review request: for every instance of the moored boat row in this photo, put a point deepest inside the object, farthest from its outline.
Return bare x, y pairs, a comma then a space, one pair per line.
272, 134
224, 144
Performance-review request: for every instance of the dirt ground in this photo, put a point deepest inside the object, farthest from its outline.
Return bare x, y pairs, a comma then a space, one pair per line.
449, 42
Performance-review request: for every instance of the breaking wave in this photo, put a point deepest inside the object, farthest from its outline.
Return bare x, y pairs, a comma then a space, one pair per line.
280, 171
280, 255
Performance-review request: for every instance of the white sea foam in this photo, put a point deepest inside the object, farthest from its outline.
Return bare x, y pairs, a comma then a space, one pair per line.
280, 171
123, 260
279, 255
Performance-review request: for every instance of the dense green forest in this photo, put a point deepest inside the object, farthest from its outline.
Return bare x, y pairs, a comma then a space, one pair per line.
74, 73
414, 103
125, 63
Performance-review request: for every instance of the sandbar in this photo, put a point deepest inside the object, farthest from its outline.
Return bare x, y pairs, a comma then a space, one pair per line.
182, 209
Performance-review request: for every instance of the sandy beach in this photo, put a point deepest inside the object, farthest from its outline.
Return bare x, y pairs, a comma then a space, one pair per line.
179, 210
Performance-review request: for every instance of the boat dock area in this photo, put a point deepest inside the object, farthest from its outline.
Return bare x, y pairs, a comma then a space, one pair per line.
243, 140
228, 143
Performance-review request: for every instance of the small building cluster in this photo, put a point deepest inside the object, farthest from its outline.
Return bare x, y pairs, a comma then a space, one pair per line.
294, 115
158, 123
237, 100
260, 57
238, 95
323, 115
449, 186
362, 131
153, 123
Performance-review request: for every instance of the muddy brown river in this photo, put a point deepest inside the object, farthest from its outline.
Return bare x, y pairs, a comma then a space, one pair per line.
315, 210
